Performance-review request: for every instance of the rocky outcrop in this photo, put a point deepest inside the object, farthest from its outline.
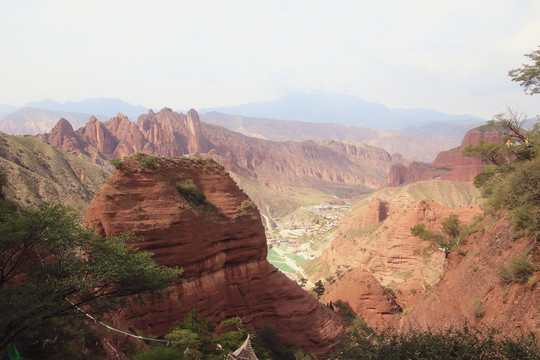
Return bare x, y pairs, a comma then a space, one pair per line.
220, 245
333, 167
450, 165
360, 290
63, 136
376, 212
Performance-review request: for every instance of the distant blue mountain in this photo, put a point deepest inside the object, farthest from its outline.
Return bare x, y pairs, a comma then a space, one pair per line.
322, 107
106, 106
6, 109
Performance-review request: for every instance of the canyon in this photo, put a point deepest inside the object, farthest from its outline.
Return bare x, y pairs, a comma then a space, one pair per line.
369, 259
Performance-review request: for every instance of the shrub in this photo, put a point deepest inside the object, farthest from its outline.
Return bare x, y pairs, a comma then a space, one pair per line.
116, 163
191, 192
149, 162
519, 270
248, 204
448, 344
478, 307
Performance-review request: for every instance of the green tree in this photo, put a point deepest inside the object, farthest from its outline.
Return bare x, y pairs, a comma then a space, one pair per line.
451, 228
194, 339
50, 265
319, 289
528, 75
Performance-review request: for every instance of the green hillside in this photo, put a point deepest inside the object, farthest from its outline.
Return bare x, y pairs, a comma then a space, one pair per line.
37, 171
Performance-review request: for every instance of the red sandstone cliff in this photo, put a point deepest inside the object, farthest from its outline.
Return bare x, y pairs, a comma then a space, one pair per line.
450, 165
366, 297
470, 290
333, 167
221, 247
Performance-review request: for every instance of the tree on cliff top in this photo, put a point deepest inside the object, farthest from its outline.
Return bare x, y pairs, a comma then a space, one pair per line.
513, 181
528, 75
50, 265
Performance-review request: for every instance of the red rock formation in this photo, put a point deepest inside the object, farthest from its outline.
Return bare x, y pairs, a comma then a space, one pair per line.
334, 167
377, 212
450, 165
64, 137
388, 249
470, 291
221, 247
366, 297
98, 138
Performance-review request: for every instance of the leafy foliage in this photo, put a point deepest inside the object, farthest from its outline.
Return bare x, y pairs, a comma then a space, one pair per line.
519, 270
514, 183
147, 161
269, 347
50, 265
363, 342
193, 338
116, 163
191, 192
319, 289
451, 228
528, 75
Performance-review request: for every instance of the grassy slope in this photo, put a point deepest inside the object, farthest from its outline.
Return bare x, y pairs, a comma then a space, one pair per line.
37, 171
447, 193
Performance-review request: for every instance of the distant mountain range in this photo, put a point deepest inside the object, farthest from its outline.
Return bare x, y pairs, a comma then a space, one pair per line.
316, 116
105, 106
417, 142
322, 107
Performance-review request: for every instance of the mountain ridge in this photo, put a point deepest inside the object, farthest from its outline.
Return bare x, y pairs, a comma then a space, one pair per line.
332, 167
319, 106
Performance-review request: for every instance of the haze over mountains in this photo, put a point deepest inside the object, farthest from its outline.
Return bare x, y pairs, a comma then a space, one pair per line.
316, 115
320, 106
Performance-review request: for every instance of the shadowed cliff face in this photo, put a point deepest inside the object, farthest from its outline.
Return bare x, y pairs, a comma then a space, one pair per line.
220, 245
450, 165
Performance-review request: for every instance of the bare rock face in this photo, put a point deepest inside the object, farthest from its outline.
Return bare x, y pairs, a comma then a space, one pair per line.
96, 135
377, 212
220, 245
366, 297
450, 165
64, 137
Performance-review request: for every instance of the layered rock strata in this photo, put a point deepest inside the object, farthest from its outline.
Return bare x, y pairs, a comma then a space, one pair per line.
331, 166
360, 290
451, 165
220, 244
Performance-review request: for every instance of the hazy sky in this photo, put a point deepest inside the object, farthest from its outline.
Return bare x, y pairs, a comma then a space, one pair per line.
452, 56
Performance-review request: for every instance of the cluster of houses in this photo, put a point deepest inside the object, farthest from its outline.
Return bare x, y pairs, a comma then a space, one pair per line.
298, 234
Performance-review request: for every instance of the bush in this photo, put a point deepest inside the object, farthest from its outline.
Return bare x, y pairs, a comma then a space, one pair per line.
478, 307
191, 192
116, 163
448, 344
149, 162
248, 204
519, 270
